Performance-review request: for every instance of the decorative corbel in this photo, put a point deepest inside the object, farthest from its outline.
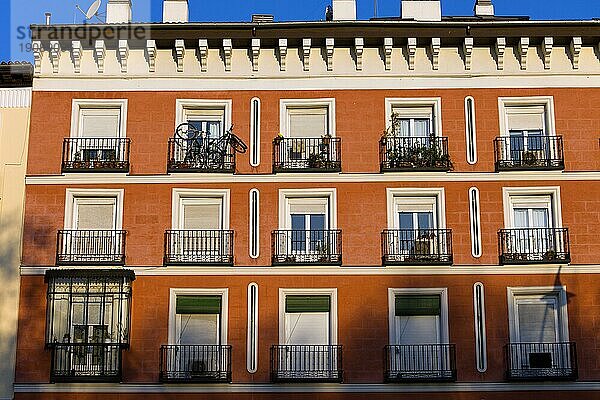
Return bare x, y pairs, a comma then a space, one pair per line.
282, 53
329, 48
523, 49
436, 46
123, 53
468, 52
388, 46
412, 51
547, 50
179, 54
575, 49
500, 49
227, 49
100, 53
255, 54
203, 54
76, 55
36, 48
151, 55
359, 44
306, 44
55, 55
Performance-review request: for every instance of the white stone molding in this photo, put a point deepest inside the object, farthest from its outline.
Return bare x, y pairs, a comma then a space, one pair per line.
523, 48
151, 55
123, 54
55, 55
76, 55
203, 54
547, 51
100, 53
468, 52
282, 53
575, 49
36, 48
500, 50
179, 54
306, 45
359, 44
412, 51
255, 54
329, 47
227, 49
388, 46
436, 46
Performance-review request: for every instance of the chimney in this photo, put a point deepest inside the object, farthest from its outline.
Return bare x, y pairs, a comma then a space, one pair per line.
484, 8
118, 12
48, 17
344, 10
175, 11
422, 10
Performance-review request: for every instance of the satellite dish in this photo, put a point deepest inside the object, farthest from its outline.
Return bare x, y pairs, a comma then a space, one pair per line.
92, 11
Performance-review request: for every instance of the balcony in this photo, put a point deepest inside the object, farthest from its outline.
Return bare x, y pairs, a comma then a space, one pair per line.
193, 247
200, 155
90, 247
86, 362
306, 363
534, 246
95, 155
295, 247
307, 154
529, 153
420, 363
422, 247
195, 364
427, 153
541, 361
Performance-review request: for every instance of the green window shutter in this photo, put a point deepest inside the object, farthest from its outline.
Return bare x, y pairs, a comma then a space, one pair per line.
417, 305
198, 305
297, 304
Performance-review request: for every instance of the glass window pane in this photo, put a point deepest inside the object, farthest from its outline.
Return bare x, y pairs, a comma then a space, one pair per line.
422, 127
298, 222
406, 220
425, 220
404, 127
317, 222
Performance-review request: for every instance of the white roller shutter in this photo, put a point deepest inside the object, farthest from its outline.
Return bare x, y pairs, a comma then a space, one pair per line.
202, 215
537, 321
95, 214
99, 122
526, 118
309, 206
199, 329
307, 328
308, 122
417, 329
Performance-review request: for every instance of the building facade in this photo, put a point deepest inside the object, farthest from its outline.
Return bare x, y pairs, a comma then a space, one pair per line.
403, 207
15, 102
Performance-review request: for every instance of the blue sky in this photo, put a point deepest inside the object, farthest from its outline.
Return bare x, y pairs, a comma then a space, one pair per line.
14, 16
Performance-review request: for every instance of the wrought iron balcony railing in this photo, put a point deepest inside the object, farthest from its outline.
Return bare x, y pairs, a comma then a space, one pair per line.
85, 247
200, 155
86, 362
427, 153
422, 246
534, 245
420, 363
292, 247
96, 154
541, 361
518, 153
307, 154
306, 363
198, 247
195, 363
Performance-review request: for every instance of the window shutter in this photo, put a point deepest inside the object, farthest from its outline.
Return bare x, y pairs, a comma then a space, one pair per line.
300, 304
308, 122
526, 118
96, 216
417, 305
202, 216
537, 322
198, 305
309, 206
413, 112
100, 122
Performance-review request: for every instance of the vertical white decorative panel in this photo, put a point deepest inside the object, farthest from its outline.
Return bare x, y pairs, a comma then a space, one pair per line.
480, 335
475, 222
255, 132
252, 340
254, 241
471, 132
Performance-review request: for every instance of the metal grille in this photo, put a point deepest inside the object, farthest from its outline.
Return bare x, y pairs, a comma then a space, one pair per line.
105, 247
195, 363
200, 155
420, 362
541, 361
84, 362
96, 154
527, 153
291, 247
421, 246
534, 245
315, 363
428, 153
199, 247
307, 154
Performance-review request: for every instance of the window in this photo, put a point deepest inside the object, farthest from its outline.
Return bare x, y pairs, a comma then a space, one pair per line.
307, 118
198, 319
94, 118
91, 213
200, 209
254, 234
417, 117
470, 130
213, 117
480, 332
252, 339
475, 222
255, 132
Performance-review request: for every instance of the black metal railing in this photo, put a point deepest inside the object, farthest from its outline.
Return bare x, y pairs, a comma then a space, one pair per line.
527, 153
307, 154
291, 247
420, 363
86, 362
422, 246
306, 363
96, 154
104, 247
195, 363
534, 245
200, 155
541, 361
198, 247
427, 153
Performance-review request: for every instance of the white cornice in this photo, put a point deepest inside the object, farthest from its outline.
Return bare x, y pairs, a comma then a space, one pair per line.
15, 97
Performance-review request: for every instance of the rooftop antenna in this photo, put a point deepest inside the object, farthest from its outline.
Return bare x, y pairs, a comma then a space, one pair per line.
92, 11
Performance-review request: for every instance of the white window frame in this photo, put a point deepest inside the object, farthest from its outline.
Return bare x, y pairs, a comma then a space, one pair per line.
395, 195
254, 228
286, 104
470, 134
252, 333
180, 194
512, 195
284, 205
255, 131
442, 292
73, 194
174, 292
434, 102
547, 102
182, 106
533, 292
333, 314
80, 104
